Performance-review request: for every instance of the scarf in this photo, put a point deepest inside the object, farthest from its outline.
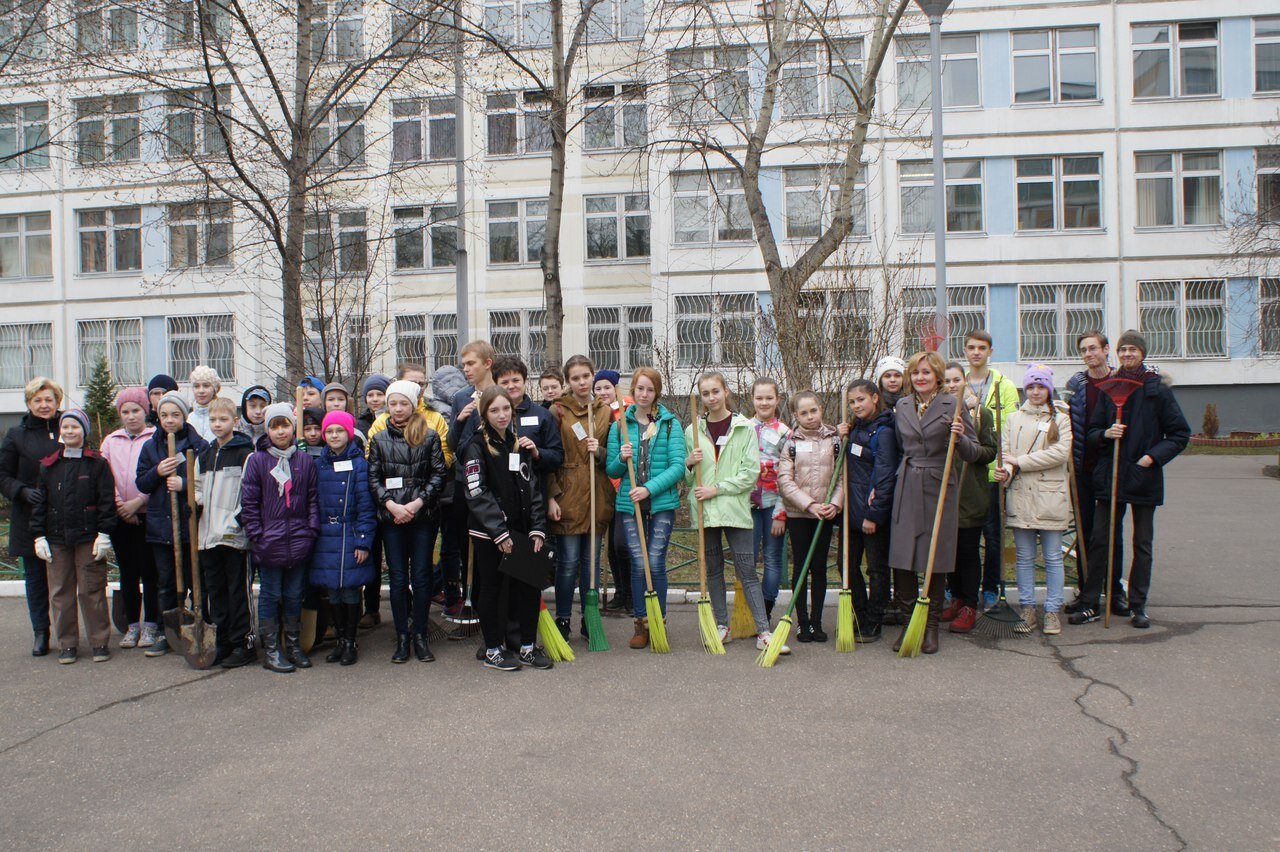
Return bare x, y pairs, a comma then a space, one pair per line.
282, 473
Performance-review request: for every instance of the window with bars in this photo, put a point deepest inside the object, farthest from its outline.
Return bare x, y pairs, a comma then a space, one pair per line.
963, 188
960, 79
423, 129
811, 195
966, 312
324, 257
24, 29
105, 25
615, 20
26, 351
199, 234
110, 240
1050, 316
337, 138
518, 123
191, 122
337, 30
426, 237
107, 130
517, 230
617, 226
616, 117
26, 246
522, 333
1268, 169
710, 207
1055, 66
1175, 60
518, 23
717, 330
835, 325
1059, 193
337, 347
119, 340
1179, 189
1184, 319
24, 136
620, 338
1269, 316
427, 339
1266, 55
205, 339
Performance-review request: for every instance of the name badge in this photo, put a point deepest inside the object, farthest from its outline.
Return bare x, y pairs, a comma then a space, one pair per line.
855, 450
343, 466
722, 440
73, 453
614, 405
393, 483
579, 431
513, 462
804, 446
1044, 426
769, 436
531, 420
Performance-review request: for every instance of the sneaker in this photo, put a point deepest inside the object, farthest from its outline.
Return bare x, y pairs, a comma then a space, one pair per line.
494, 658
1075, 606
1084, 616
1028, 623
989, 601
1139, 618
101, 655
964, 621
131, 636
1052, 624
723, 630
867, 634
804, 633
158, 648
67, 657
762, 642
147, 636
438, 598
816, 633
240, 655
535, 658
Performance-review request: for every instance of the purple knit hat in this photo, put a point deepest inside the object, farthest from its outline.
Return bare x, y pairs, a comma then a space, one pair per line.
137, 395
78, 416
1038, 374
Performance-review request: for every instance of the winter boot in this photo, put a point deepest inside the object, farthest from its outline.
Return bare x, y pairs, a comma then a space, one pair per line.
401, 653
937, 591
641, 639
421, 650
352, 623
293, 644
273, 658
904, 588
40, 647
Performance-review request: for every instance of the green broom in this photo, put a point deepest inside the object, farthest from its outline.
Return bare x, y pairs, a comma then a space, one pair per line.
846, 623
770, 654
652, 607
914, 636
596, 640
707, 629
554, 643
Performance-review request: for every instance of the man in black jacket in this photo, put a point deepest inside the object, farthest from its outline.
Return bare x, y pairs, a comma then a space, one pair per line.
536, 430
1152, 434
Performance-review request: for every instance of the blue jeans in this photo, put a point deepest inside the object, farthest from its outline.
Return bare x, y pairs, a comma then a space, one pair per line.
573, 568
36, 577
280, 591
408, 549
1051, 544
657, 535
448, 572
772, 546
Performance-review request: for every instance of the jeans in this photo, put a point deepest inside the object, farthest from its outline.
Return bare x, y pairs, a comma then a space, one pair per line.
993, 553
1144, 531
373, 590
771, 546
36, 578
744, 563
408, 548
802, 532
620, 560
1051, 544
657, 535
280, 591
573, 569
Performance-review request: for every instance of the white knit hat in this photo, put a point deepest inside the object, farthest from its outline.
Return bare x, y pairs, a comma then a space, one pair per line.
279, 409
888, 363
409, 390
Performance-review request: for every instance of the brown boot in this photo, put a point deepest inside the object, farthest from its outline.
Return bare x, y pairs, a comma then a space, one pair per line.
937, 591
904, 589
641, 640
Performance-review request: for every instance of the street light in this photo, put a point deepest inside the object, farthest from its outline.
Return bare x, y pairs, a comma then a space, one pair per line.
935, 9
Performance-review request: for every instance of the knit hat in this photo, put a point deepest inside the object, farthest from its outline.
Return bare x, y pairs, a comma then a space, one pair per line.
888, 363
205, 374
161, 382
408, 390
340, 418
173, 397
78, 416
311, 382
375, 382
312, 416
136, 395
613, 376
277, 410
1132, 337
1038, 374
335, 386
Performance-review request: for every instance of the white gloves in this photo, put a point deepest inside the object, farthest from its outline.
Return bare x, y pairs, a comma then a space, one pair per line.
102, 548
42, 549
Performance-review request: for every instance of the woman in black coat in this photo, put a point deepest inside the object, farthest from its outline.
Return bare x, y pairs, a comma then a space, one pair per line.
20, 453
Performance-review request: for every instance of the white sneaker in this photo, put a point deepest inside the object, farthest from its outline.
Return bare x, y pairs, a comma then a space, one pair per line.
762, 642
147, 637
724, 634
131, 636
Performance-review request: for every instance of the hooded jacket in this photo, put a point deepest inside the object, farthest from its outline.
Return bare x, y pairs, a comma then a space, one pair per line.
24, 446
446, 383
348, 520
151, 483
1001, 395
873, 470
665, 451
733, 474
401, 473
80, 498
502, 502
122, 450
253, 430
808, 462
569, 484
219, 478
975, 477
1156, 428
282, 528
1037, 495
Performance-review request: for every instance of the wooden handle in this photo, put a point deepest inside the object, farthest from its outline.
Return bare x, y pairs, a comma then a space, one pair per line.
644, 547
175, 525
1082, 559
844, 509
942, 501
591, 486
193, 538
697, 476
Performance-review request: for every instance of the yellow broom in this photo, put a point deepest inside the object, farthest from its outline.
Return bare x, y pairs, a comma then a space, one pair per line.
707, 630
554, 643
846, 623
914, 637
652, 607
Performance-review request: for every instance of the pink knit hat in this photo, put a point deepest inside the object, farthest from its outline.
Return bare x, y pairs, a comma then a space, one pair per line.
339, 418
138, 396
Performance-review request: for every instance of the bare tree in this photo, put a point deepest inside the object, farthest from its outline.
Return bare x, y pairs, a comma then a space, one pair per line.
25, 35
1253, 247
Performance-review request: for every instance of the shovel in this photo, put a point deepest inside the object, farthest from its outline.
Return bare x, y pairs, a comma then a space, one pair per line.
173, 619
201, 637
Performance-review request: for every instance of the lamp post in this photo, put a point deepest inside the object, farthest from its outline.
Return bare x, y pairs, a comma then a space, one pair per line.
935, 9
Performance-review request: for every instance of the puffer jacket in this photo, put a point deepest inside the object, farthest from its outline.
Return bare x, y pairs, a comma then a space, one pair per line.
733, 474
771, 435
219, 478
199, 420
122, 450
159, 528
873, 469
1156, 428
975, 482
665, 448
808, 461
401, 473
21, 451
568, 485
348, 520
80, 498
1037, 497
502, 502
282, 528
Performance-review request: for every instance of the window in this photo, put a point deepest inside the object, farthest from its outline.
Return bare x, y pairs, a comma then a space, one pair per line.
107, 129
1175, 60
959, 72
1183, 319
430, 340
834, 324
620, 338
191, 122
205, 339
966, 312
180, 21
337, 137
323, 258
710, 85
1055, 66
423, 129
1179, 189
1266, 55
26, 246
336, 30
1050, 316
617, 226
519, 123
523, 23
1269, 316
963, 187
110, 239
820, 79
105, 24
416, 30
615, 20
517, 230
338, 346
24, 136
811, 196
24, 29
1058, 193
521, 333
426, 237
199, 234
120, 341
616, 117
1269, 185
710, 208
26, 351
715, 330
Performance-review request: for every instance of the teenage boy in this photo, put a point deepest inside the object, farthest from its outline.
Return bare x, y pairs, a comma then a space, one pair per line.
374, 393
253, 403
222, 540
1152, 434
1001, 396
312, 392
551, 384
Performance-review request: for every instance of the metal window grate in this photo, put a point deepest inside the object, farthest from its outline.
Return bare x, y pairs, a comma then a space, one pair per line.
1051, 315
966, 312
1269, 316
1183, 319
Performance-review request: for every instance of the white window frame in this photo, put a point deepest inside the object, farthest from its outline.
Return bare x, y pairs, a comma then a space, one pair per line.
428, 339
434, 116
967, 307
517, 23
24, 30
113, 114
20, 123
918, 175
1066, 310
336, 244
527, 224
1185, 298
332, 25
632, 325
120, 339
1174, 46
914, 50
1059, 180
113, 230
616, 105
338, 138
721, 311
717, 189
29, 346
830, 74
710, 84
211, 222
528, 107
428, 223
195, 107
1178, 175
1267, 159
528, 326
627, 207
1268, 38
212, 339
1053, 53
105, 25
827, 187
609, 21
28, 229
181, 28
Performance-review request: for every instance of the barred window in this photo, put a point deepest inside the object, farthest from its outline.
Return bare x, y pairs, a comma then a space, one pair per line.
834, 326
1183, 319
966, 312
1050, 316
620, 338
522, 333
24, 136
26, 351
205, 339
427, 339
1269, 316
717, 330
119, 340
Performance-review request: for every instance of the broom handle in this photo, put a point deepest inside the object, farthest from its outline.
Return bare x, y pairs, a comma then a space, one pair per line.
1111, 527
194, 532
591, 486
644, 547
813, 545
1004, 486
175, 524
942, 502
1082, 560
697, 474
844, 509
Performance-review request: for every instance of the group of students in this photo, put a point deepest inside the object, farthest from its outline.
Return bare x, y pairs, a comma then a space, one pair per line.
312, 509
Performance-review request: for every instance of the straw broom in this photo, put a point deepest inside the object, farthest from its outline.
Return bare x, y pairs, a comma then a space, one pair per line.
846, 623
914, 637
596, 640
652, 607
554, 644
706, 618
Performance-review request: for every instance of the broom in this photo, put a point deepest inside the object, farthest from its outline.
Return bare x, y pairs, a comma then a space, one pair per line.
770, 654
1119, 389
596, 640
554, 643
913, 638
1082, 546
846, 623
1003, 621
652, 607
707, 629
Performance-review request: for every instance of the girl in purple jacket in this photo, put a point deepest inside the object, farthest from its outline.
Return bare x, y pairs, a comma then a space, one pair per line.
281, 516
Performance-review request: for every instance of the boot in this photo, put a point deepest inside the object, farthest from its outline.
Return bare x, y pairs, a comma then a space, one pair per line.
904, 589
937, 591
401, 654
641, 639
768, 609
349, 634
273, 658
293, 645
421, 650
339, 642
41, 645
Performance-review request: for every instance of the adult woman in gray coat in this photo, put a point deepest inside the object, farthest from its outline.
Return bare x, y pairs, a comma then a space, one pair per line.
924, 420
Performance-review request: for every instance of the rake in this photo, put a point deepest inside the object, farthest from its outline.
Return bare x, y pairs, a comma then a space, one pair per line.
1119, 389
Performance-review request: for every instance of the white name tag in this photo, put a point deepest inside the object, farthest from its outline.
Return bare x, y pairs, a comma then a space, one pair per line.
1044, 426
513, 461
614, 405
393, 483
769, 436
73, 453
343, 466
804, 446
579, 431
722, 440
855, 450
531, 420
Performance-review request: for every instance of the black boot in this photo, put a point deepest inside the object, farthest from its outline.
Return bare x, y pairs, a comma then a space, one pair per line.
768, 609
41, 645
349, 646
273, 658
401, 654
340, 634
1138, 616
421, 650
293, 646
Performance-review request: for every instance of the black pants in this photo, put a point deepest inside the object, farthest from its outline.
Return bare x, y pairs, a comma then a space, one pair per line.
495, 587
36, 576
1085, 495
870, 599
968, 573
373, 590
993, 553
1144, 531
802, 532
226, 577
137, 568
166, 576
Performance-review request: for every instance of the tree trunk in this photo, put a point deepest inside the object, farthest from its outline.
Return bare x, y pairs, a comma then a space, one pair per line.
551, 288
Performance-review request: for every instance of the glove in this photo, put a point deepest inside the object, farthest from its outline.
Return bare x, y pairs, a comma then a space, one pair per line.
42, 549
34, 497
102, 548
